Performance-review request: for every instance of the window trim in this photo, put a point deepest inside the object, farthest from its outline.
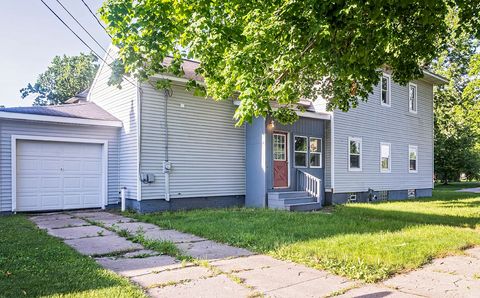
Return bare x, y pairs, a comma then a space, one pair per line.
416, 98
389, 170
285, 151
389, 93
318, 153
411, 148
358, 139
295, 151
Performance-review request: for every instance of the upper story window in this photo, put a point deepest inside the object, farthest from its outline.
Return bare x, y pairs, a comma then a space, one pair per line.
385, 159
315, 152
354, 154
412, 159
412, 98
385, 86
300, 152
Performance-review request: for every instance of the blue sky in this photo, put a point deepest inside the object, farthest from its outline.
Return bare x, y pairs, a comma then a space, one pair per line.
30, 36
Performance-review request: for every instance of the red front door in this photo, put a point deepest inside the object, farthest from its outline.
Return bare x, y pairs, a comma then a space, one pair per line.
280, 159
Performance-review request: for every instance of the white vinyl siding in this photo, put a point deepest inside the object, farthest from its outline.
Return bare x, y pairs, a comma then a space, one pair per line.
31, 128
395, 125
121, 103
354, 154
385, 157
206, 150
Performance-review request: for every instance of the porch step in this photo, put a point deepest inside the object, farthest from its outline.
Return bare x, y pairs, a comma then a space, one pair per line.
281, 195
292, 201
304, 206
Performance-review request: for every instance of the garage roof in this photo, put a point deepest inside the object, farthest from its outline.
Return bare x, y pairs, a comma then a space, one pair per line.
81, 113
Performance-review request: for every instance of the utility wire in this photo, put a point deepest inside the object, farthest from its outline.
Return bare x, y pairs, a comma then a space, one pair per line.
96, 18
81, 26
86, 44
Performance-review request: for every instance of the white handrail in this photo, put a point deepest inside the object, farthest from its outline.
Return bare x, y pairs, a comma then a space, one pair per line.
310, 184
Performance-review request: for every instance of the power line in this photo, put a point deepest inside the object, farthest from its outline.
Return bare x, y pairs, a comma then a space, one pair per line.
81, 26
86, 44
96, 18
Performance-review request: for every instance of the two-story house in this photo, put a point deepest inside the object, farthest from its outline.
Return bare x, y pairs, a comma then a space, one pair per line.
168, 150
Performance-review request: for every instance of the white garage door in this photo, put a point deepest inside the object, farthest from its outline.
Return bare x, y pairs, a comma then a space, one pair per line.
58, 175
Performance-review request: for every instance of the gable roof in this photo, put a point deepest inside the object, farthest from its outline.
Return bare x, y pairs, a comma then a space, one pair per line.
80, 113
86, 110
79, 97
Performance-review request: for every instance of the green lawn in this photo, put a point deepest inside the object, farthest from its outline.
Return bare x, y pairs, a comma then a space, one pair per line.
33, 264
361, 241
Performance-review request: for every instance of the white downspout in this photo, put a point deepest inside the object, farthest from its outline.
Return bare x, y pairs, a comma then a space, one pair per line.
332, 153
166, 163
139, 139
123, 196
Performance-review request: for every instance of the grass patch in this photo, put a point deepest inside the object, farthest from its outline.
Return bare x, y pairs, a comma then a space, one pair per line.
34, 264
369, 242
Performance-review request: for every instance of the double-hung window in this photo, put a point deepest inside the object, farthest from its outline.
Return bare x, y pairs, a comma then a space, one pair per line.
412, 98
385, 90
301, 152
315, 152
412, 159
354, 154
385, 157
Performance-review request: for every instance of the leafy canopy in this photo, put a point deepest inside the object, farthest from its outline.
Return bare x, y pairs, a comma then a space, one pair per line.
65, 77
457, 106
284, 50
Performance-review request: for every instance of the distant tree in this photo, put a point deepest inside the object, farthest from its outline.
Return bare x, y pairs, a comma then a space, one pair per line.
65, 77
457, 107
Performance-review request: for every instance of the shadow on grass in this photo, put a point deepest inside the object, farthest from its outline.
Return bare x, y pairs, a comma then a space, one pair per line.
360, 241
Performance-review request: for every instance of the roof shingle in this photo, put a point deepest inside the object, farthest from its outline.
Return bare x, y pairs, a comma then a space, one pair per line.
84, 110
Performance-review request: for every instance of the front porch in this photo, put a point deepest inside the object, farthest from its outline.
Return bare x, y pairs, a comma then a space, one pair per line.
285, 164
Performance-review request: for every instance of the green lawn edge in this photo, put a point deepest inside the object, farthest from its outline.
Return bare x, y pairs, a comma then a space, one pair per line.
34, 264
368, 242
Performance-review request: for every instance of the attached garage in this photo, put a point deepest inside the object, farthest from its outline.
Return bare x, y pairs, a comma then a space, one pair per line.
58, 158
56, 174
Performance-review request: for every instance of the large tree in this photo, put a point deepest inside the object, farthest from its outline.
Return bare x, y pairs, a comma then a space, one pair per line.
284, 50
457, 106
65, 77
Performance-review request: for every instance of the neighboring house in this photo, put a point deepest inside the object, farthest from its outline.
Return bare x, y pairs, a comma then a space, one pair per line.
173, 150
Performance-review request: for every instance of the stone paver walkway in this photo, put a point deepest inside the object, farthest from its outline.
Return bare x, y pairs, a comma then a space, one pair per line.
226, 271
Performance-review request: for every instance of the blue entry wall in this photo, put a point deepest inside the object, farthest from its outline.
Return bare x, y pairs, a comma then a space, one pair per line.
306, 127
255, 159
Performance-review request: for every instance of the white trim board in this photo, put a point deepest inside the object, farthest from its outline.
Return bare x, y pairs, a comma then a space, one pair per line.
13, 160
57, 119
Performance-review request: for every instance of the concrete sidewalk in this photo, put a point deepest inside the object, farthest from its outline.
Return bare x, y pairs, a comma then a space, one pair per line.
474, 190
227, 271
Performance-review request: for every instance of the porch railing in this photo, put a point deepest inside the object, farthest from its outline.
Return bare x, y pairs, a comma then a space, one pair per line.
310, 184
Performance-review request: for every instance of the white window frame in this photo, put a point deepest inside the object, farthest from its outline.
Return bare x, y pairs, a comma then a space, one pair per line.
318, 153
285, 152
389, 170
356, 139
295, 151
416, 99
389, 93
410, 149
